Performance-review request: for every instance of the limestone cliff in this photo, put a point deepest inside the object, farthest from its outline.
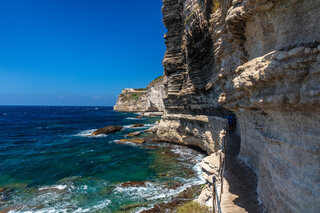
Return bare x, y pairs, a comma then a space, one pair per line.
149, 99
260, 60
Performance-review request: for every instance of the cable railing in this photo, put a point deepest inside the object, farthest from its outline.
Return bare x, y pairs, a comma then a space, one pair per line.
223, 166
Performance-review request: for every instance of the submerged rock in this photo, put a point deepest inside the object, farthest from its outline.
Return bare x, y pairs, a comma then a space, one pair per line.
182, 198
134, 184
106, 130
134, 140
133, 134
137, 125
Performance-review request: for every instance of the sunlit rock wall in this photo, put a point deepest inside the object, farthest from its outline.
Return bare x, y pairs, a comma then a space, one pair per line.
259, 59
149, 99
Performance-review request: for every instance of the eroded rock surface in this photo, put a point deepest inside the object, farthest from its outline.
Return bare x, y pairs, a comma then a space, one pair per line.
106, 130
134, 140
149, 99
259, 59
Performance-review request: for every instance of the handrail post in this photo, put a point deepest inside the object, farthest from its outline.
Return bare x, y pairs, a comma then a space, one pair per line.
221, 172
225, 147
214, 193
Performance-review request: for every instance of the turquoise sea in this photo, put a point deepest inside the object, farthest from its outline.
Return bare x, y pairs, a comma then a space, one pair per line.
48, 162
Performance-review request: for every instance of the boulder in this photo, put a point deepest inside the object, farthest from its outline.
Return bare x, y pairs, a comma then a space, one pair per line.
153, 129
133, 184
133, 134
134, 140
137, 125
106, 130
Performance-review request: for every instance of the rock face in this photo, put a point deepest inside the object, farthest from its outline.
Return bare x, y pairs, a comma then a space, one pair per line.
260, 60
133, 134
134, 140
143, 100
137, 125
106, 130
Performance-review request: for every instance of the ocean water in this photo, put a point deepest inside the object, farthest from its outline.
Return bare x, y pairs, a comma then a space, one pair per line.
49, 163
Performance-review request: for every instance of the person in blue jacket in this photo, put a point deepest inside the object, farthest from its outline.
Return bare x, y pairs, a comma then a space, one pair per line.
231, 121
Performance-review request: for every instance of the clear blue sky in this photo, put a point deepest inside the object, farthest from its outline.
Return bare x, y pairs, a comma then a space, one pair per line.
77, 52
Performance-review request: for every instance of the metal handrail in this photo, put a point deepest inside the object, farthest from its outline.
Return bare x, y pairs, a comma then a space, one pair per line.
223, 166
216, 201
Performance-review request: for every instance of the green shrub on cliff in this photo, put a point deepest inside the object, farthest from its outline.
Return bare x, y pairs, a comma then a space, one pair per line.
216, 5
140, 89
129, 96
156, 81
193, 207
136, 95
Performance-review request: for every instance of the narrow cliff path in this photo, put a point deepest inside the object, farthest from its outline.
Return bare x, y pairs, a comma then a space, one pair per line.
240, 183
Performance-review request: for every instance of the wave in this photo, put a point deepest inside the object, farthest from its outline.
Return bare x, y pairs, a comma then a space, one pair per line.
158, 192
85, 133
88, 132
59, 187
188, 155
102, 206
154, 192
124, 142
143, 127
131, 118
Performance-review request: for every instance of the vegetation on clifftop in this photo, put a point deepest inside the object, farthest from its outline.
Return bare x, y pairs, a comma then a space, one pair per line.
140, 89
192, 207
156, 81
131, 96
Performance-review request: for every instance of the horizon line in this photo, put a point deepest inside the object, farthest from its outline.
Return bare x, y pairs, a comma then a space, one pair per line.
30, 105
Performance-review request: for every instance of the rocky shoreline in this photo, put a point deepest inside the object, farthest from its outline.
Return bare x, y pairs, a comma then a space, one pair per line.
258, 62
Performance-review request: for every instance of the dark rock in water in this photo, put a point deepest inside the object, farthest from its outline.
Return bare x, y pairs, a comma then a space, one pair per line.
183, 197
5, 193
106, 130
132, 206
173, 185
9, 209
137, 125
150, 147
133, 134
134, 140
139, 116
134, 184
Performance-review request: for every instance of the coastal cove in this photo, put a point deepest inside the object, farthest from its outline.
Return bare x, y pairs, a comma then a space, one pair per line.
230, 123
49, 163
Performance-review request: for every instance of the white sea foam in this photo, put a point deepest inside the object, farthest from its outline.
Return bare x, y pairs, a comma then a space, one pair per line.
88, 132
154, 191
124, 142
131, 118
102, 204
126, 127
143, 127
59, 187
157, 191
65, 208
192, 156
